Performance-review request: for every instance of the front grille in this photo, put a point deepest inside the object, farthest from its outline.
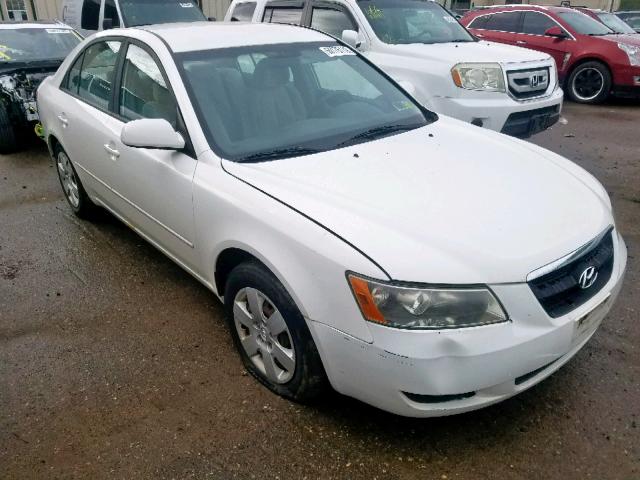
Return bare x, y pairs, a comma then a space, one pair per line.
524, 84
571, 285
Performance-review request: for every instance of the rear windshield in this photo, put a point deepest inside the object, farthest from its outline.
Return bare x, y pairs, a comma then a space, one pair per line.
413, 21
36, 44
584, 24
260, 103
615, 23
150, 12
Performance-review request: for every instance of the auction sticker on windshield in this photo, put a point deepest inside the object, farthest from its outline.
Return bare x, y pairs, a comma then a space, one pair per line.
337, 51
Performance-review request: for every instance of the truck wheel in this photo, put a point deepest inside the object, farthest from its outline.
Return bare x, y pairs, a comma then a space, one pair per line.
589, 82
271, 334
8, 143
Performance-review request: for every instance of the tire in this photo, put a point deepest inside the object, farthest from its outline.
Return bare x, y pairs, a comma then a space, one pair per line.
72, 188
8, 138
263, 347
589, 83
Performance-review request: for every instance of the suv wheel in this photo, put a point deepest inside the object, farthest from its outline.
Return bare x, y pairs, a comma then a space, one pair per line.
589, 82
271, 334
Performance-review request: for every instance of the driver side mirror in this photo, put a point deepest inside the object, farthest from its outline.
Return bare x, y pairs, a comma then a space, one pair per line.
151, 133
351, 38
556, 32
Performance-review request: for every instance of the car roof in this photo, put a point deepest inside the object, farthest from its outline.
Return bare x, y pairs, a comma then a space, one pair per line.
195, 36
41, 25
524, 6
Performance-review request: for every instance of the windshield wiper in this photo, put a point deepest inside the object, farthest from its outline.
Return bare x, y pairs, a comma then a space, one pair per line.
278, 153
376, 132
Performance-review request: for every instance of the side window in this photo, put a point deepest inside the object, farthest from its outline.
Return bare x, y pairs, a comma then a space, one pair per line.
98, 72
504, 22
479, 22
291, 15
536, 23
73, 77
335, 74
90, 14
111, 13
331, 21
144, 92
243, 12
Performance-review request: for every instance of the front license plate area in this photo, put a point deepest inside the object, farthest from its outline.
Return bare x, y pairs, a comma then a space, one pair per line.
587, 323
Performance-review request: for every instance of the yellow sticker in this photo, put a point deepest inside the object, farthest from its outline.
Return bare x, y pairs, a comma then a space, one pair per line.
374, 13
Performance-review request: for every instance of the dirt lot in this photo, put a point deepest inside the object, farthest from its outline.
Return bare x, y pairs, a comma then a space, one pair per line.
114, 363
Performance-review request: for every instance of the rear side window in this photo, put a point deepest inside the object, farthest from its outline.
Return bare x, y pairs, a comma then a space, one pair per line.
144, 92
98, 73
291, 15
503, 22
243, 12
111, 13
73, 78
536, 23
479, 22
90, 14
331, 21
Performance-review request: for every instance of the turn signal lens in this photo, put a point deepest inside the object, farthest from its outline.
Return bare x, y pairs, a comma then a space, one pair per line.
365, 300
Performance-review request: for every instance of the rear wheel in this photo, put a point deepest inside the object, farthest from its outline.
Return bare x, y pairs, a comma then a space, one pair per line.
73, 190
8, 141
271, 334
589, 82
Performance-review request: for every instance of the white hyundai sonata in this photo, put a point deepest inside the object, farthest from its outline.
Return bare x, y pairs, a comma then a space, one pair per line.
415, 262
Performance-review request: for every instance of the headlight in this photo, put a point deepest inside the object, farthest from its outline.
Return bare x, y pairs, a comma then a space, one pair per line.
632, 52
425, 308
479, 76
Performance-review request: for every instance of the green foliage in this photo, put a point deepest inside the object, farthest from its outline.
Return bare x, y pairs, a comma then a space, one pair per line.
629, 5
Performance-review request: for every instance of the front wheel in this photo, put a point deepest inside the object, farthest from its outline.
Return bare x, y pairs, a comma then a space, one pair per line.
8, 140
589, 82
271, 334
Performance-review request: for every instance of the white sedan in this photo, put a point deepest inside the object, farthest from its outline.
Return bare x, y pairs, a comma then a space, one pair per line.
415, 262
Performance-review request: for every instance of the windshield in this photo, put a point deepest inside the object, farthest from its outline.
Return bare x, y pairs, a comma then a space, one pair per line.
584, 24
413, 21
151, 12
631, 18
36, 44
615, 23
266, 102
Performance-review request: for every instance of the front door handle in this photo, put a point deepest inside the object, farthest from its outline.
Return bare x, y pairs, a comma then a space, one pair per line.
113, 153
63, 120
521, 42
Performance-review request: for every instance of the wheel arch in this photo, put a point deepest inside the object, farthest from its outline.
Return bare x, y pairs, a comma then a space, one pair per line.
583, 60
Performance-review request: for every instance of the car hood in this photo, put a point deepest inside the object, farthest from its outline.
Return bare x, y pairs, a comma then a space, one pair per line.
629, 39
447, 203
469, 52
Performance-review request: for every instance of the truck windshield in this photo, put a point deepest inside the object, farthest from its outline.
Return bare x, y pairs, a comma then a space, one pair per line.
150, 12
36, 44
413, 21
584, 24
615, 23
262, 103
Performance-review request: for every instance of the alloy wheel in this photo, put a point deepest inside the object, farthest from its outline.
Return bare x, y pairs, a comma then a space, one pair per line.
68, 179
264, 335
588, 84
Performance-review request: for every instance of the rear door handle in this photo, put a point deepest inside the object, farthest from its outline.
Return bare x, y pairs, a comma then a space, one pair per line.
521, 42
63, 120
113, 153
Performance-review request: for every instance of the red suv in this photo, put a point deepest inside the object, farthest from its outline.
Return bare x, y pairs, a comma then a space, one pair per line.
593, 61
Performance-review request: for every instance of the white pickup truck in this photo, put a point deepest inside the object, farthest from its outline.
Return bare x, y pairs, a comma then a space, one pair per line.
424, 48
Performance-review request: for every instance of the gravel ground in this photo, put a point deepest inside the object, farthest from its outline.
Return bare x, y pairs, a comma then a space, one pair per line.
114, 363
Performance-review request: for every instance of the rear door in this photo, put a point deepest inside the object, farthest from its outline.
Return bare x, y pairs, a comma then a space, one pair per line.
531, 35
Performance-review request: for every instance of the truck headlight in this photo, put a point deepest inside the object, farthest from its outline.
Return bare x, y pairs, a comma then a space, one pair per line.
632, 52
425, 308
479, 76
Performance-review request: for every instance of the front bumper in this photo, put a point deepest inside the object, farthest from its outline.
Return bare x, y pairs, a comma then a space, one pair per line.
436, 373
494, 110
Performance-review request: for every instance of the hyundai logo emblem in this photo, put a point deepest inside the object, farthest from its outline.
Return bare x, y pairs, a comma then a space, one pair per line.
588, 278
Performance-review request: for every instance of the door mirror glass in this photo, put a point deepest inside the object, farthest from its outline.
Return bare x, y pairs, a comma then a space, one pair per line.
151, 133
350, 37
556, 32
